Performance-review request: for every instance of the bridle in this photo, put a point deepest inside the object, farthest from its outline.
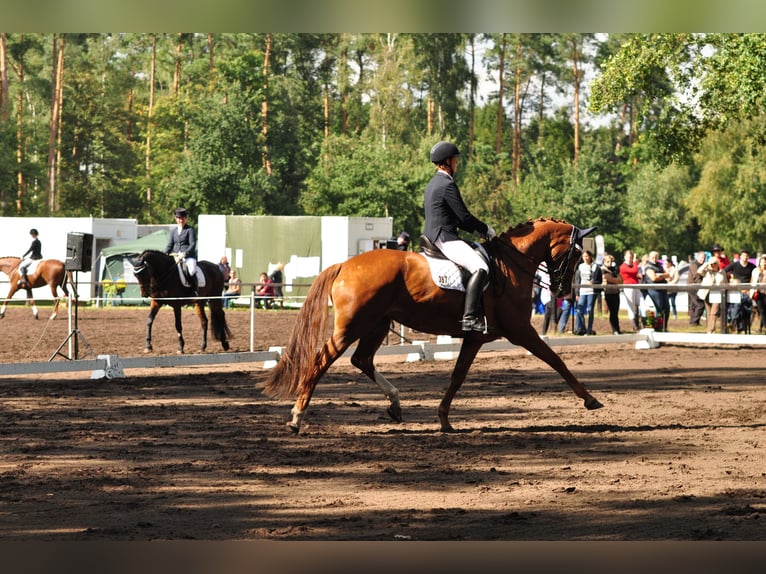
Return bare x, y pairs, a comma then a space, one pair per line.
557, 268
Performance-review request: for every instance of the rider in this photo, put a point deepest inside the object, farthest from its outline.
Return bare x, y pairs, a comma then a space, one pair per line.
183, 242
34, 253
445, 212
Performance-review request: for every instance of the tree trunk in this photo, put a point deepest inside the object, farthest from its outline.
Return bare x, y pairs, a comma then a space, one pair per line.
177, 66
5, 99
516, 145
265, 105
472, 98
57, 76
210, 49
147, 159
576, 72
501, 82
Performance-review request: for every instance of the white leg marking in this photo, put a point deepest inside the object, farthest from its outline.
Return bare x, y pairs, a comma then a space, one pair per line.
391, 392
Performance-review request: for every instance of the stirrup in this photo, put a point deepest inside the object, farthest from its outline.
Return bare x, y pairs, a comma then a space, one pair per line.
477, 324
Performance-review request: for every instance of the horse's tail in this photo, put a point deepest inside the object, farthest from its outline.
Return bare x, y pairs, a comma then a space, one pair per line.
293, 370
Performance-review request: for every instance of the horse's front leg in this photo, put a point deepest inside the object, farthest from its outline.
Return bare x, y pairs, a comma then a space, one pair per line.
179, 329
532, 342
149, 320
465, 358
199, 308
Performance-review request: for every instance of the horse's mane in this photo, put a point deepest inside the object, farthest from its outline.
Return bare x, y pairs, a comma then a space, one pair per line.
527, 226
10, 257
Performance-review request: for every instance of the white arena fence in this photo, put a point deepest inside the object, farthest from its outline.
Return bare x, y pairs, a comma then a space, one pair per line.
445, 348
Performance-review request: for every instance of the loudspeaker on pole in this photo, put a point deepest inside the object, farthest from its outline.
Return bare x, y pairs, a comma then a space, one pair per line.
79, 251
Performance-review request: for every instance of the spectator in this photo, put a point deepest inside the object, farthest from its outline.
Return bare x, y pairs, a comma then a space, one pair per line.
264, 293
549, 301
712, 274
696, 305
741, 269
588, 275
223, 265
673, 277
567, 309
758, 294
611, 277
234, 290
403, 241
34, 253
629, 273
277, 280
719, 253
655, 274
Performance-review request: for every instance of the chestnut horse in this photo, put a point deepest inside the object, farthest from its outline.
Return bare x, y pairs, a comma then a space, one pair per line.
50, 272
374, 288
159, 277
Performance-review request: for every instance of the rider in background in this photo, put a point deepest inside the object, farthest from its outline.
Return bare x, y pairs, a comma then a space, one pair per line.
183, 242
34, 253
445, 212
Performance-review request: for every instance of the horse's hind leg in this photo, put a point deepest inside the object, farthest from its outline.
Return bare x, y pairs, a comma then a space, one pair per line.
465, 358
362, 359
199, 307
327, 355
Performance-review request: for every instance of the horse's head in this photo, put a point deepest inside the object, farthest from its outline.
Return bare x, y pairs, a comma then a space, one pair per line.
563, 258
142, 272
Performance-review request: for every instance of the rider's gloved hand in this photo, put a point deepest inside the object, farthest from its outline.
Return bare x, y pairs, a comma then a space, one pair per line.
490, 232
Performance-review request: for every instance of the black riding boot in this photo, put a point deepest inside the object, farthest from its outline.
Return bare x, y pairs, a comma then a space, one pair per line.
24, 281
472, 321
193, 284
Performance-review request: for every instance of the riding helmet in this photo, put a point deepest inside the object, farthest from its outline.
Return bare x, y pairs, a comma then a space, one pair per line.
33, 231
442, 151
180, 212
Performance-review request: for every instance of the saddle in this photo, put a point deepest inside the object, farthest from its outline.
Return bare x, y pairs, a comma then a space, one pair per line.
185, 278
446, 273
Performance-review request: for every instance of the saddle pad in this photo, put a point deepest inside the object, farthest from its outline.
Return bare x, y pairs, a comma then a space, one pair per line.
198, 273
445, 273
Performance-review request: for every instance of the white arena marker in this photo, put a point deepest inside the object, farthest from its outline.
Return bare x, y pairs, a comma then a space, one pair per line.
419, 356
444, 355
271, 363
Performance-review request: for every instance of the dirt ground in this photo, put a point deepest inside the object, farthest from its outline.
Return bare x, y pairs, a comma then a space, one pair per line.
677, 452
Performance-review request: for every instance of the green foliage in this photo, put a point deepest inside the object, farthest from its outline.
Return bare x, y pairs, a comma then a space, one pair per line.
670, 152
657, 198
729, 201
361, 178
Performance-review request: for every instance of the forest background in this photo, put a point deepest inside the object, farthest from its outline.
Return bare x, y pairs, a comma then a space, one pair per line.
655, 138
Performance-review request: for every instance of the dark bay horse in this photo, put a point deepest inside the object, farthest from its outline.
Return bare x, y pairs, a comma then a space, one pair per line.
372, 289
159, 278
50, 272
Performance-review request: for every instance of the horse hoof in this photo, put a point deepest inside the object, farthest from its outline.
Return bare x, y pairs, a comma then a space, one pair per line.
447, 428
148, 350
592, 404
225, 346
395, 412
293, 427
